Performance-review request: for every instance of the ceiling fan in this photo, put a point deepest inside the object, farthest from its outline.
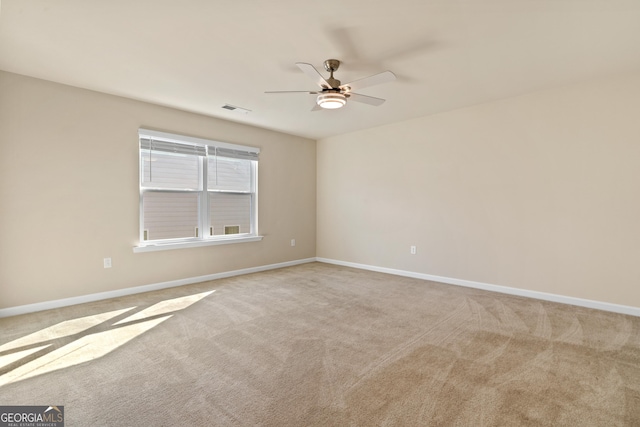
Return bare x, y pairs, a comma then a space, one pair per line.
332, 93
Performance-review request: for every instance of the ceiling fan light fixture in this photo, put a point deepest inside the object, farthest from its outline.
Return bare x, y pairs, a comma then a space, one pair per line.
331, 101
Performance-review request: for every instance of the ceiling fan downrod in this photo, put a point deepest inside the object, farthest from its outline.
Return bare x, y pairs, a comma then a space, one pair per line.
332, 65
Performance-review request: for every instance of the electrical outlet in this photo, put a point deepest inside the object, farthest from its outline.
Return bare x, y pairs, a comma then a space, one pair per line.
293, 242
107, 262
413, 250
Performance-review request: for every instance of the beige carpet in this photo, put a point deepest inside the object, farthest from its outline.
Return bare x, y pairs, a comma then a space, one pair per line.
321, 345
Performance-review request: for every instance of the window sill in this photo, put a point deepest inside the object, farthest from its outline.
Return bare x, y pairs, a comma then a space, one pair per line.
183, 245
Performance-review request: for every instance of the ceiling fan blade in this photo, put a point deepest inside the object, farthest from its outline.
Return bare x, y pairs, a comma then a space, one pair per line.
376, 79
313, 74
292, 91
365, 99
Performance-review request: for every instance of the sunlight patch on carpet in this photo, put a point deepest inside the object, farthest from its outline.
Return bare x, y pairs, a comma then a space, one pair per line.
62, 329
92, 345
166, 306
8, 359
85, 349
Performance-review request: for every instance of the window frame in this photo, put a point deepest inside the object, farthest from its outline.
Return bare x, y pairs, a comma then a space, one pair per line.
204, 221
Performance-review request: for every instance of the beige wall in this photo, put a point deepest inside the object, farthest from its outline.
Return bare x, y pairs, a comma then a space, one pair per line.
69, 193
539, 192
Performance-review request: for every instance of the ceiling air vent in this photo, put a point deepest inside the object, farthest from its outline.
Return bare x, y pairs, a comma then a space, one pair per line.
235, 109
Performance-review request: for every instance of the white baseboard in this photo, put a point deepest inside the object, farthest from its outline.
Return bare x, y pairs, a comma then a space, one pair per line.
616, 308
48, 305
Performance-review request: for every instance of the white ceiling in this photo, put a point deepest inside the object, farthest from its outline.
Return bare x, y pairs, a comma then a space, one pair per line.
198, 55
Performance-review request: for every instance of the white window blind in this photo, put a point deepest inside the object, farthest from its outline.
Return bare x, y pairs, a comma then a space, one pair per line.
172, 147
168, 170
229, 174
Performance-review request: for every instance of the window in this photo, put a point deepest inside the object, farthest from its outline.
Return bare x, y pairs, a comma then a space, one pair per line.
195, 191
